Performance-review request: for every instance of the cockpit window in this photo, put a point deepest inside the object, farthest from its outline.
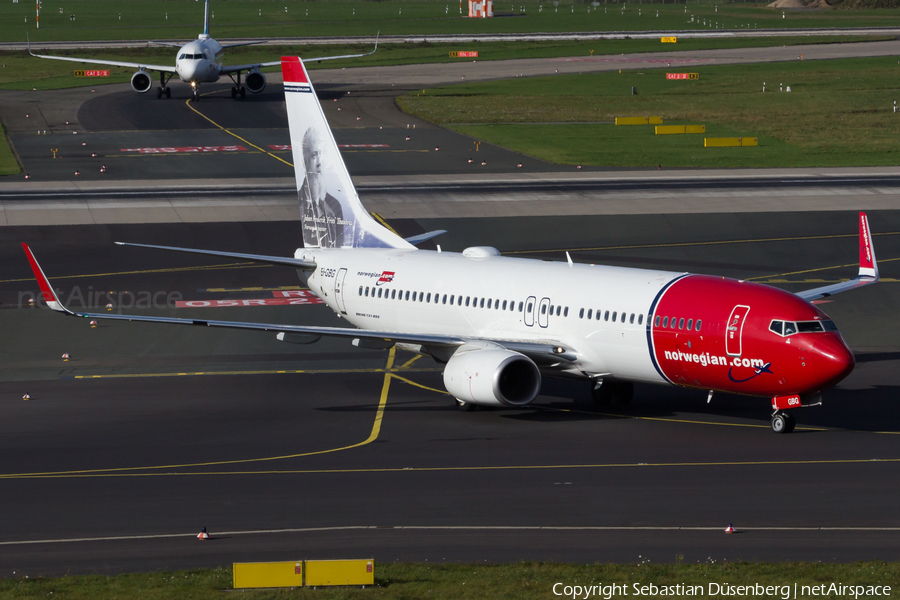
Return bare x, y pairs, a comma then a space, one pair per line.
182, 56
829, 326
790, 328
776, 327
809, 326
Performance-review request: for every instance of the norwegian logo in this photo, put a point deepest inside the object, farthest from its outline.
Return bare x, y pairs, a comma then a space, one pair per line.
386, 277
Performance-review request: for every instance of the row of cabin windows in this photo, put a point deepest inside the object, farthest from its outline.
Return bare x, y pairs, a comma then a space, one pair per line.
678, 323
496, 304
452, 299
616, 316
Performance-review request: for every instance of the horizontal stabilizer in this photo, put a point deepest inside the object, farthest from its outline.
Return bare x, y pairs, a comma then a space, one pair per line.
424, 237
271, 260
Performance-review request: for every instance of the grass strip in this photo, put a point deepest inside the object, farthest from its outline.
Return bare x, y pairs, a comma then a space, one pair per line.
476, 581
838, 113
21, 71
163, 19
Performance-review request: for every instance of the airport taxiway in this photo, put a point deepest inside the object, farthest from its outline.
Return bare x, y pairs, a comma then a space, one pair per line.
151, 432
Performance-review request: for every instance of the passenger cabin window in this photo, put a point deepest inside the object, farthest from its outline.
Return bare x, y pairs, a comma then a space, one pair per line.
640, 319
481, 304
520, 306
407, 295
590, 312
698, 324
665, 321
631, 319
690, 324
581, 314
606, 316
544, 309
681, 323
623, 317
598, 315
614, 316
566, 312
656, 321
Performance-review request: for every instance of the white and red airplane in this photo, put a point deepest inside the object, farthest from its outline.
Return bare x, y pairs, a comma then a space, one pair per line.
500, 323
198, 61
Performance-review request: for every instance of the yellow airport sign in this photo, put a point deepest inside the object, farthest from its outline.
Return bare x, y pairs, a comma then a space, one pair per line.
732, 141
340, 572
639, 121
675, 129
668, 40
268, 574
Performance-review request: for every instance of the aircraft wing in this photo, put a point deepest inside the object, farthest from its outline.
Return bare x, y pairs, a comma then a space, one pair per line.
868, 267
112, 63
541, 352
277, 63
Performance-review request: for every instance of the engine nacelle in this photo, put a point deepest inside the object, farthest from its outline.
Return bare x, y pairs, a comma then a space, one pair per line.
141, 82
492, 377
255, 82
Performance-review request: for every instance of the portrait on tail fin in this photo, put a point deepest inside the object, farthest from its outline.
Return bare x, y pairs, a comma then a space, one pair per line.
322, 214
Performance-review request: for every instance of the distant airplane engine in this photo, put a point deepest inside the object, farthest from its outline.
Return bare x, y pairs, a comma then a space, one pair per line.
141, 82
492, 377
255, 82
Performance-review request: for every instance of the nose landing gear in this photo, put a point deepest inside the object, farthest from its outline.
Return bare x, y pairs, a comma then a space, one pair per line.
782, 422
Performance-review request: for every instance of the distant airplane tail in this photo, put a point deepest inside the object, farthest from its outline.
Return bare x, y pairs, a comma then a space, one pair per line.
206, 20
331, 213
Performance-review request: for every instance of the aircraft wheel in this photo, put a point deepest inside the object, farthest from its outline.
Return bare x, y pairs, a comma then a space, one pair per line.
159, 93
168, 92
790, 423
243, 91
233, 92
780, 423
465, 406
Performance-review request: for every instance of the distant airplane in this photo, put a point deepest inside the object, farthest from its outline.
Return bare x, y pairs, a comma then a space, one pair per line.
498, 324
198, 61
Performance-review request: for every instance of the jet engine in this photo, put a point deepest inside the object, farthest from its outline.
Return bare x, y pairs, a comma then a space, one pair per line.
255, 82
141, 82
492, 377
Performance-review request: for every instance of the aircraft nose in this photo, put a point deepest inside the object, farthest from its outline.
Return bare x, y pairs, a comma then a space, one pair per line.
833, 360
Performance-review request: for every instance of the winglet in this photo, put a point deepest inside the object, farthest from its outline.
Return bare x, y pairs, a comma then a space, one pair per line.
49, 295
28, 39
868, 266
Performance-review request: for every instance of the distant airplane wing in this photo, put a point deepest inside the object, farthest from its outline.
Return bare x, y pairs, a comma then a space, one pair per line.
277, 63
544, 353
271, 260
868, 267
172, 44
243, 44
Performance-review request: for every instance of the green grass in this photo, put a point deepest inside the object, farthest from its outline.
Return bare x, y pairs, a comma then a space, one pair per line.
839, 113
21, 71
462, 581
146, 19
8, 163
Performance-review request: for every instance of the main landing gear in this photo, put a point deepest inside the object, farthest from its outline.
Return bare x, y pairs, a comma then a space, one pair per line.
237, 89
782, 422
605, 393
163, 89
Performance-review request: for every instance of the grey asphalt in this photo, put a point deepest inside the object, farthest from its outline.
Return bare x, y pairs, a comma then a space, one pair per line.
557, 481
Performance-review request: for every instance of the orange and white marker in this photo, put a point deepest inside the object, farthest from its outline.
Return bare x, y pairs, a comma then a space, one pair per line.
93, 324
203, 535
26, 397
109, 306
729, 529
66, 356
